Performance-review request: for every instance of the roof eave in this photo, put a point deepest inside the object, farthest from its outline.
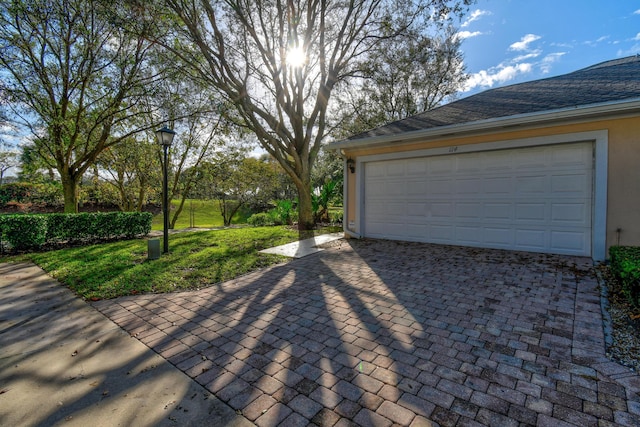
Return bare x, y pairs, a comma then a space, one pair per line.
626, 106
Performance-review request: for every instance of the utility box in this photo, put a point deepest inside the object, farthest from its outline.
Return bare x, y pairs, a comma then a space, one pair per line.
153, 250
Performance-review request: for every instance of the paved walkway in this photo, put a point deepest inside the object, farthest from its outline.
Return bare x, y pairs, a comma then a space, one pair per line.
62, 362
303, 248
384, 333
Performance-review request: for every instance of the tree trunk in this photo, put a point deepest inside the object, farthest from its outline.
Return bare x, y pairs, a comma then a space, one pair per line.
176, 214
231, 211
70, 190
305, 211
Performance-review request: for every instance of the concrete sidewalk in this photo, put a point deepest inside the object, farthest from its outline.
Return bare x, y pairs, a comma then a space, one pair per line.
303, 248
63, 362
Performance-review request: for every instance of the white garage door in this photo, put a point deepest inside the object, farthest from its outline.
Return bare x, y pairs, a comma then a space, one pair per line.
534, 199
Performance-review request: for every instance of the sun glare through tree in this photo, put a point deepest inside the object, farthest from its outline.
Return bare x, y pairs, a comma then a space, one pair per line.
296, 56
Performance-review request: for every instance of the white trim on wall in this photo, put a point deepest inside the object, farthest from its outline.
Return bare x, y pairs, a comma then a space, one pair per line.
600, 139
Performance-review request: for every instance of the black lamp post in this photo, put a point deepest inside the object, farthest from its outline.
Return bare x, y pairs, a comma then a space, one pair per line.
165, 138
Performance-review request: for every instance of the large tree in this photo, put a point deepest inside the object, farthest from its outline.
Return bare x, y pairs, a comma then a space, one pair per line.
73, 76
9, 158
133, 168
278, 62
235, 181
408, 75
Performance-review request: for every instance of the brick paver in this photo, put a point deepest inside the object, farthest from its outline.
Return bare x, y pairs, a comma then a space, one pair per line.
382, 333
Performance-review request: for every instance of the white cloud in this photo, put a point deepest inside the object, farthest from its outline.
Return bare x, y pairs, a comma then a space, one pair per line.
549, 60
531, 55
468, 34
475, 15
637, 37
637, 12
596, 42
633, 50
496, 75
563, 45
524, 42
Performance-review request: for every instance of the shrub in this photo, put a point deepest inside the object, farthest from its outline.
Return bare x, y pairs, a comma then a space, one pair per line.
336, 217
16, 192
260, 220
284, 212
100, 192
23, 192
24, 231
625, 267
320, 200
32, 231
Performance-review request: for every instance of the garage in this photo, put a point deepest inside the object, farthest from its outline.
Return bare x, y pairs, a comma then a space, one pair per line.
536, 198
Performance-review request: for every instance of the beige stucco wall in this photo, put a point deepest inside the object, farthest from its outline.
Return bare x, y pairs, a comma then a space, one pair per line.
623, 186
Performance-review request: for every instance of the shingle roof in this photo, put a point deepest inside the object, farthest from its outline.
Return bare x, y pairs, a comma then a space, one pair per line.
614, 80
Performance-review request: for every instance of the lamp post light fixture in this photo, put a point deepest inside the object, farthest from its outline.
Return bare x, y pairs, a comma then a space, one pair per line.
351, 164
165, 138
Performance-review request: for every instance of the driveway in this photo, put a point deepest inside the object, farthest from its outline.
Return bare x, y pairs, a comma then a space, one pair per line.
380, 333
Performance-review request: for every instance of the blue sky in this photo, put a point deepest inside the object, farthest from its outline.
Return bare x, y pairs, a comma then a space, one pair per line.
511, 41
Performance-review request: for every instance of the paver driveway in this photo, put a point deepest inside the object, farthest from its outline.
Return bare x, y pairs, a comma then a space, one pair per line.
381, 333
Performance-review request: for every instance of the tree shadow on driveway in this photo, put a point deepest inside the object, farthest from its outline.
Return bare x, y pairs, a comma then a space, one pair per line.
377, 332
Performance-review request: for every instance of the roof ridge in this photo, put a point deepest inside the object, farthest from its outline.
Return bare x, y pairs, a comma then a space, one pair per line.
611, 62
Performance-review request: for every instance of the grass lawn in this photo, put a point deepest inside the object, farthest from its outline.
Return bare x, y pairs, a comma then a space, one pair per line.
195, 260
206, 214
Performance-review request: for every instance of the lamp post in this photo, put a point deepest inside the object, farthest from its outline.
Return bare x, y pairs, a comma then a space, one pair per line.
165, 138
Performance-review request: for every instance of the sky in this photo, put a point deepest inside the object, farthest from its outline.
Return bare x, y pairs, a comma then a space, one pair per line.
513, 41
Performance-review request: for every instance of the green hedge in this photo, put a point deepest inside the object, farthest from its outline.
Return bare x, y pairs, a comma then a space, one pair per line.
625, 266
24, 231
33, 231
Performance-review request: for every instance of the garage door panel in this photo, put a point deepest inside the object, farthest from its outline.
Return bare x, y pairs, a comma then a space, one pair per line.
417, 230
376, 170
565, 156
441, 233
394, 209
442, 165
498, 211
573, 213
530, 239
498, 161
468, 235
394, 230
535, 198
396, 168
537, 184
499, 236
468, 186
416, 167
498, 185
442, 209
416, 209
469, 210
530, 158
567, 241
394, 188
535, 212
440, 187
417, 188
469, 164
569, 184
